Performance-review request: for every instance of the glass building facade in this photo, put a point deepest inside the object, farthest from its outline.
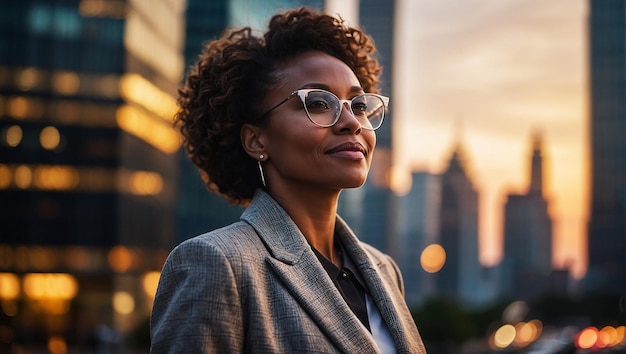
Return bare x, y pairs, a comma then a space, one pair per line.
607, 225
88, 167
527, 262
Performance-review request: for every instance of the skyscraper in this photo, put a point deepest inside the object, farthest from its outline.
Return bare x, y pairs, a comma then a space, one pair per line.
417, 222
607, 224
460, 277
88, 170
527, 261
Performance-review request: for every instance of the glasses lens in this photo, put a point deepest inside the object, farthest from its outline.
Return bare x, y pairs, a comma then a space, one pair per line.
322, 107
369, 109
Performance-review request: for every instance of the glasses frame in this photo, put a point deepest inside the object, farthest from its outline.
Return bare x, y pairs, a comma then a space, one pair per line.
302, 94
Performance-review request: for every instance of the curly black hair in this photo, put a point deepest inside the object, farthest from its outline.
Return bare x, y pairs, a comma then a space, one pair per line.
231, 77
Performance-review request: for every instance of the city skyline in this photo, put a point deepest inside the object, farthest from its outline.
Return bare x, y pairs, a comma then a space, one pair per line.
489, 74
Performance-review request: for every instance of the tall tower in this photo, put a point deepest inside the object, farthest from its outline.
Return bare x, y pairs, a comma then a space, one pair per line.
527, 261
607, 225
460, 277
417, 227
536, 167
88, 170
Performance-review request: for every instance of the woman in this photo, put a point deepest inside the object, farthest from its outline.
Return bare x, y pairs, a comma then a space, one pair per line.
282, 124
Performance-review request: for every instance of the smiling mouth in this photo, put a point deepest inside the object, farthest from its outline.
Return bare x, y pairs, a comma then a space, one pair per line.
350, 150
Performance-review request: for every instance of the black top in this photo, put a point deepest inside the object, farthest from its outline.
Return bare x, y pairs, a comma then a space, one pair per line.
347, 281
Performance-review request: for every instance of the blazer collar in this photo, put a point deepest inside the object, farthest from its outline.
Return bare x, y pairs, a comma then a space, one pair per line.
294, 262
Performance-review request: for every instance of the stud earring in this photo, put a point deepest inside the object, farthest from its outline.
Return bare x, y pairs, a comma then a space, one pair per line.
261, 170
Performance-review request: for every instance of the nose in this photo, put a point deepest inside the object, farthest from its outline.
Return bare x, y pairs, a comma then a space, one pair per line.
347, 121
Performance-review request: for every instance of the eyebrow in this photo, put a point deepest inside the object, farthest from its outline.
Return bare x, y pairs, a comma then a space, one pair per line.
316, 85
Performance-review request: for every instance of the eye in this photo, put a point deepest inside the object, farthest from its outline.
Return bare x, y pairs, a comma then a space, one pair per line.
359, 105
317, 105
319, 102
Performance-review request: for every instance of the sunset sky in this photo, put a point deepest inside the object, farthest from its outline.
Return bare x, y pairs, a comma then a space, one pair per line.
489, 73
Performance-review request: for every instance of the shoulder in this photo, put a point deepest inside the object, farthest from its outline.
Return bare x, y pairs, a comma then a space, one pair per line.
233, 243
229, 237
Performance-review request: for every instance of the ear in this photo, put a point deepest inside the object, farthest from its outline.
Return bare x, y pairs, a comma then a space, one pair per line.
252, 139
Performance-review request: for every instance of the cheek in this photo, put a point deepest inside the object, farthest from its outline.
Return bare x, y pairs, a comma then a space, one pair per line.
295, 144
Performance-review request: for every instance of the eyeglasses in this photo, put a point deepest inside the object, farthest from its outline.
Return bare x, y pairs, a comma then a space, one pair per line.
324, 108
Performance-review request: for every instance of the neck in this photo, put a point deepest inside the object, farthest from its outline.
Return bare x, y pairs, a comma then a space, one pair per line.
314, 213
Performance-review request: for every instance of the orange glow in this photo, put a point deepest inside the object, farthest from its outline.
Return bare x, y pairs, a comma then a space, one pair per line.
18, 107
587, 338
13, 135
65, 82
621, 335
9, 286
23, 177
57, 345
400, 181
56, 177
527, 332
156, 133
499, 97
150, 283
50, 286
135, 88
27, 79
120, 259
609, 336
433, 258
504, 336
145, 183
123, 303
5, 176
49, 138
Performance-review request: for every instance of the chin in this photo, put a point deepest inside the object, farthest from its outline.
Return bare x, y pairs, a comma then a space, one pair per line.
355, 184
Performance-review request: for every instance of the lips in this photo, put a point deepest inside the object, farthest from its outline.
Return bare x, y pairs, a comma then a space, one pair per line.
349, 149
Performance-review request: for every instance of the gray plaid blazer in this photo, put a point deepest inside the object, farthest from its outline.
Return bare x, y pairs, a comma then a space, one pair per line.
257, 287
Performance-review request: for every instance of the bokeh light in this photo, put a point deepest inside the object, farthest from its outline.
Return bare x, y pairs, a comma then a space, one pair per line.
57, 345
27, 78
609, 336
504, 336
123, 303
49, 138
9, 286
145, 183
13, 135
42, 286
587, 338
120, 259
150, 283
515, 312
23, 176
433, 258
65, 83
5, 178
526, 333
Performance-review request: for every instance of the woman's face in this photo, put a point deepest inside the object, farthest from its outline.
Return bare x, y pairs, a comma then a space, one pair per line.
302, 154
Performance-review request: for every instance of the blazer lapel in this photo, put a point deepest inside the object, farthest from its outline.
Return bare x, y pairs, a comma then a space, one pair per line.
295, 264
389, 300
